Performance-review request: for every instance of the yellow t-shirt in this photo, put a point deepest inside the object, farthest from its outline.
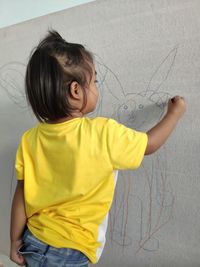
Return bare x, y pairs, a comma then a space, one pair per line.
68, 171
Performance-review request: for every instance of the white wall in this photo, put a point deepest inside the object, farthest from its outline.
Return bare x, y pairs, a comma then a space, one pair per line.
148, 50
12, 12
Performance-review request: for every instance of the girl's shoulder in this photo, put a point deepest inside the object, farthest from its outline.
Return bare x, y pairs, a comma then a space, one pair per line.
99, 120
29, 132
104, 125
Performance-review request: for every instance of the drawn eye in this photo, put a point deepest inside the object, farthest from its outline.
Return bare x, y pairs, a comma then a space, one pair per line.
140, 106
125, 107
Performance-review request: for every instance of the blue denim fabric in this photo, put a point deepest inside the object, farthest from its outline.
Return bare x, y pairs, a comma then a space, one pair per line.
39, 254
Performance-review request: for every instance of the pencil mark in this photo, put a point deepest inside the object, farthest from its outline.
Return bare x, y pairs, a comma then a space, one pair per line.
119, 233
161, 201
162, 72
136, 110
140, 111
12, 81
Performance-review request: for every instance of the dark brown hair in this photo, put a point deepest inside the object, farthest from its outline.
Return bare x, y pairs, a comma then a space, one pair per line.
54, 64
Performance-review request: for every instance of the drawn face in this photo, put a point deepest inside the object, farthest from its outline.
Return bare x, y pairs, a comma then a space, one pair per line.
139, 112
126, 111
141, 109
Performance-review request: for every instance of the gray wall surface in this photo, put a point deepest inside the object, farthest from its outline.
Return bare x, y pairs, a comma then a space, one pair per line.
146, 51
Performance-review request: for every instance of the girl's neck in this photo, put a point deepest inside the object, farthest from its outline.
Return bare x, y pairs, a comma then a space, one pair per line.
73, 116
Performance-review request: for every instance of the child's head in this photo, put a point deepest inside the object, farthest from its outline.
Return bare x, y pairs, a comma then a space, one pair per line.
58, 75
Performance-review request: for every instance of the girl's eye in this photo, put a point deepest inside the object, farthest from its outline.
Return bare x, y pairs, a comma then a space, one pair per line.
96, 81
141, 106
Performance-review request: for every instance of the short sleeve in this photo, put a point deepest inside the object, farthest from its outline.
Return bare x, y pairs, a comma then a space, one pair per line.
126, 147
19, 164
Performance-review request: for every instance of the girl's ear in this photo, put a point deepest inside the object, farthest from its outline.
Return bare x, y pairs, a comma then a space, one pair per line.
75, 90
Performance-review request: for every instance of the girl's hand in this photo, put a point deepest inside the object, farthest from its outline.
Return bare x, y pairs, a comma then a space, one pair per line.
161, 131
14, 254
177, 106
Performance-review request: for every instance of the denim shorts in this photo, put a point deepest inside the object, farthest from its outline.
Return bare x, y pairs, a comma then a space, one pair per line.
39, 254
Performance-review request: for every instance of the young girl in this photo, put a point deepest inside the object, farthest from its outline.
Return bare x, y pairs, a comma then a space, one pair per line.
66, 165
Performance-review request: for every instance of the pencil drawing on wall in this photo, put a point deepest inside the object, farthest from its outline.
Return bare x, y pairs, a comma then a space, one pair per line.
155, 199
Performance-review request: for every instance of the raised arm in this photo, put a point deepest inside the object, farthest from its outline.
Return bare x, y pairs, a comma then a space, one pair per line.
161, 131
18, 223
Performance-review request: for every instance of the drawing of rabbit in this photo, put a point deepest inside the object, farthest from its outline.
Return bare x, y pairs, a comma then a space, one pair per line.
139, 111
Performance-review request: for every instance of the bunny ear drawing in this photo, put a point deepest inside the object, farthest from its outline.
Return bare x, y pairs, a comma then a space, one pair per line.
110, 89
161, 73
115, 87
12, 81
101, 76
